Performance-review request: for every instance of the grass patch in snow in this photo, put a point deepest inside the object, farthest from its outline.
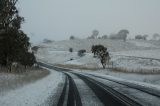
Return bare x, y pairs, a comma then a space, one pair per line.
74, 66
114, 69
138, 71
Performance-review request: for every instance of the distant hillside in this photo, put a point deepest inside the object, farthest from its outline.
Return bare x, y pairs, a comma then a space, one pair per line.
112, 45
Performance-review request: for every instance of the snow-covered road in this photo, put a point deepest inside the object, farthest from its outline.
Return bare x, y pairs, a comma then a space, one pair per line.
87, 96
145, 95
96, 91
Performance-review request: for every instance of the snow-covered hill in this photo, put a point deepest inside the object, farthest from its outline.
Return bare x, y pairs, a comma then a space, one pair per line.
57, 52
112, 45
126, 67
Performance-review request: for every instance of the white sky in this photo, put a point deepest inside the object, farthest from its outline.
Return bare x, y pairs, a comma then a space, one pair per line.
58, 19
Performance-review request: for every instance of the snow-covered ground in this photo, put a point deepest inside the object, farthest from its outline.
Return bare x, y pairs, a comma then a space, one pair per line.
11, 81
133, 64
52, 56
142, 43
151, 53
57, 52
130, 64
145, 78
40, 93
45, 91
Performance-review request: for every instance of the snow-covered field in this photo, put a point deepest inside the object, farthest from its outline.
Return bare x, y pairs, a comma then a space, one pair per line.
40, 93
151, 53
128, 63
133, 64
58, 52
143, 43
52, 56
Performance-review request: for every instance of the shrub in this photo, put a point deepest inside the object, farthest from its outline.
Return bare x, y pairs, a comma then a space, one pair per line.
72, 37
144, 37
70, 49
81, 52
47, 41
96, 49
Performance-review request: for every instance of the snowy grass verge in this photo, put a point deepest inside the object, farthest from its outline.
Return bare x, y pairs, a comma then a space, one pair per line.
126, 79
11, 81
35, 94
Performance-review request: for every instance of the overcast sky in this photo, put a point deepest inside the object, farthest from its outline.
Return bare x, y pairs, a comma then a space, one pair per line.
58, 19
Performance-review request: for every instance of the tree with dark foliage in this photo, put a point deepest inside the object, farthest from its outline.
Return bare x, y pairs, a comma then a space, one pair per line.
14, 43
97, 49
28, 60
81, 52
102, 53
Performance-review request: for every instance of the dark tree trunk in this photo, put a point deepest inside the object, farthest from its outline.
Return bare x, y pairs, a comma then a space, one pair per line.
10, 68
